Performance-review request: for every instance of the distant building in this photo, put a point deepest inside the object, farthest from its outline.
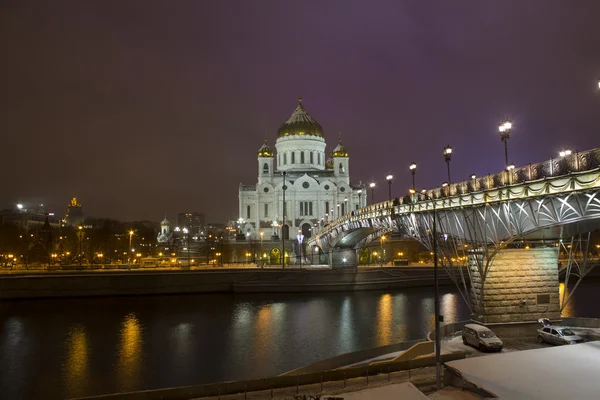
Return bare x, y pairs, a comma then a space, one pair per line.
74, 215
194, 221
29, 218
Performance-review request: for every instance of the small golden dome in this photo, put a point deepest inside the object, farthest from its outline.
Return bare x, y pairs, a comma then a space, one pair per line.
300, 123
340, 150
265, 150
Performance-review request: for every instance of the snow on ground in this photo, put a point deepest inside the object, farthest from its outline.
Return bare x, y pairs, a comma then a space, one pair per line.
561, 372
404, 391
452, 393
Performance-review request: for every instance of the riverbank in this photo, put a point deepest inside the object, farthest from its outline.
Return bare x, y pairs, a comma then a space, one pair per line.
222, 280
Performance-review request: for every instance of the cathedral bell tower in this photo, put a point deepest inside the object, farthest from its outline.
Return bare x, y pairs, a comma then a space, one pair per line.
265, 163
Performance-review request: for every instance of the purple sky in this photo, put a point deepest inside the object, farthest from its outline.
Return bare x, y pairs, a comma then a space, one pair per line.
142, 108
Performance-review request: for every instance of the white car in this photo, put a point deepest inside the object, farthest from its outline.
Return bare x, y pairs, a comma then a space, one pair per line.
481, 337
556, 334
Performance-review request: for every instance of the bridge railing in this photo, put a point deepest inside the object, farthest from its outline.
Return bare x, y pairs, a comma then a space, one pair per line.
503, 185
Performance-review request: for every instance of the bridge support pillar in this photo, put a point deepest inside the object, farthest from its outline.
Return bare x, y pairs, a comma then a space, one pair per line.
344, 258
521, 285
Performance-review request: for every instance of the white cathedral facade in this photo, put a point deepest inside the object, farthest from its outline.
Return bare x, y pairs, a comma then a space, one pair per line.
317, 187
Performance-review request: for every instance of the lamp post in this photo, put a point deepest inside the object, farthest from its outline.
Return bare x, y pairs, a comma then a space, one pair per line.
413, 170
359, 191
381, 248
261, 249
447, 157
505, 129
130, 237
283, 187
372, 186
389, 181
185, 232
436, 295
346, 211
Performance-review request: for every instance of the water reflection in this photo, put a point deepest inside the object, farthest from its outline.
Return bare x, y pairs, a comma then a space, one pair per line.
449, 306
76, 370
400, 313
130, 353
184, 345
262, 337
563, 291
384, 320
346, 336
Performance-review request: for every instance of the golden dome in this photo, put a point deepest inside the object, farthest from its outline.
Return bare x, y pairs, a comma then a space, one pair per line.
165, 222
340, 150
265, 150
300, 123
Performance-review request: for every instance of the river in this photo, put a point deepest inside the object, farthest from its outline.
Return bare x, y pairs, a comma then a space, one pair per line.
63, 348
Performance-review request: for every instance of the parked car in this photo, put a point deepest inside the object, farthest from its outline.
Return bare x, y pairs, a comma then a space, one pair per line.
555, 334
481, 337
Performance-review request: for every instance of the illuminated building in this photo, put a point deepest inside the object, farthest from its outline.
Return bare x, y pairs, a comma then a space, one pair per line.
193, 221
74, 215
317, 187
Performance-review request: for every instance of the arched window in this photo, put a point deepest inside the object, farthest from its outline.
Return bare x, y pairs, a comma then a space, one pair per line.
341, 169
312, 159
284, 158
265, 168
293, 158
302, 158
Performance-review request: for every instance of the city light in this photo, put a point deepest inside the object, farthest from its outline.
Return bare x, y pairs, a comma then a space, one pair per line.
20, 206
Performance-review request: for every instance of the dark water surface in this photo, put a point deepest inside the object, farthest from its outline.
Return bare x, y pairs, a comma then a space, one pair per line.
52, 349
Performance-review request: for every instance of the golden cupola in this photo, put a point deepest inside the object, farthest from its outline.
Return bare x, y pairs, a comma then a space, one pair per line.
300, 123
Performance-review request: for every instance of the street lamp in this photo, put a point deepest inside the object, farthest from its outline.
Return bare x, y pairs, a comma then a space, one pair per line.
283, 187
447, 157
381, 248
505, 129
261, 247
185, 232
130, 238
436, 300
413, 170
389, 181
372, 186
359, 191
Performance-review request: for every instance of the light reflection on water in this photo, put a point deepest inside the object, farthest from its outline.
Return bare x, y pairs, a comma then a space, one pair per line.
130, 353
76, 368
164, 341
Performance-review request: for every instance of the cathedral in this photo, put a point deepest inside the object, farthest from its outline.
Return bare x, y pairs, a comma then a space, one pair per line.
316, 188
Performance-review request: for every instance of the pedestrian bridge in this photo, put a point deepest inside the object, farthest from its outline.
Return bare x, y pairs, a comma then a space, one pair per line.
542, 204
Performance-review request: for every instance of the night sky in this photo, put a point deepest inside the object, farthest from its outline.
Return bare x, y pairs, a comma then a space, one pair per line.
142, 108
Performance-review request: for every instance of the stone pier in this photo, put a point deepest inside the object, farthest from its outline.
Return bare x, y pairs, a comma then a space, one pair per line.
521, 286
343, 258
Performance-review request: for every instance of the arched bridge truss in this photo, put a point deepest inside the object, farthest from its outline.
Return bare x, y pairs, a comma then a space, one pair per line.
541, 203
